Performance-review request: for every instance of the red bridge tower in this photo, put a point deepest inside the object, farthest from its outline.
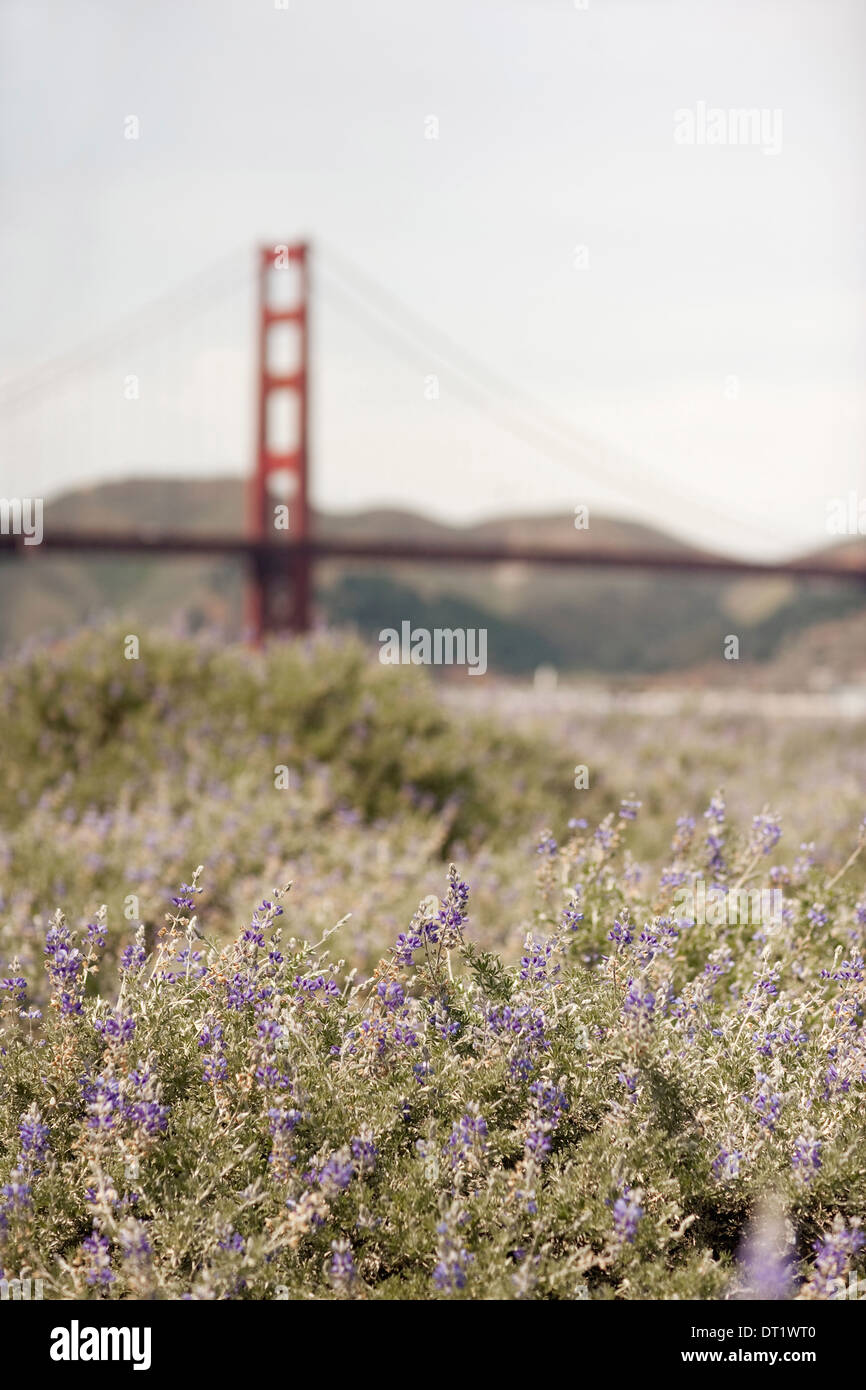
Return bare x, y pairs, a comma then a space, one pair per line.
279, 591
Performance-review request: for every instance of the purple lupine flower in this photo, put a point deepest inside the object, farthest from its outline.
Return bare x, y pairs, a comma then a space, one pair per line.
763, 1257
186, 897
604, 834
452, 1265
364, 1151
441, 1020
282, 1125
341, 1267
833, 1255
232, 1241
525, 1028
637, 1006
407, 944
97, 1258
818, 915
683, 834
546, 844
336, 1174
97, 935
269, 1076
715, 844
64, 965
266, 906
215, 1066
212, 1031
621, 933
16, 1194
835, 1084
240, 991
765, 988
148, 1117
115, 1029
806, 1158
628, 809
63, 959
849, 970
669, 934
467, 1142
384, 1036
34, 1136
629, 1080
726, 1164
769, 1044
534, 964
132, 959
254, 934
15, 985
647, 947
187, 965
268, 1030
135, 1246
391, 993
804, 861
714, 969
452, 911
632, 874
550, 1104
627, 1215
765, 833
767, 1103
571, 917
403, 1036
104, 1103
315, 985
142, 1109
106, 1192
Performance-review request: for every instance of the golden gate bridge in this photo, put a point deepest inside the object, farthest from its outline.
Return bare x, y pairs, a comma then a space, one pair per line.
280, 564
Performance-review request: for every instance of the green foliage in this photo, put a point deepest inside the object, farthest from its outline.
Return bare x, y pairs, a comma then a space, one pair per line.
570, 1086
92, 727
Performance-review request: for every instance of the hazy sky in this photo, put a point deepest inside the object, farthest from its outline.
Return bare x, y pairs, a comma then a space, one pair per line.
710, 341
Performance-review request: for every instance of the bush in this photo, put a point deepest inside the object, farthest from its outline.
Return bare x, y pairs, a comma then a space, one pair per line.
600, 1119
88, 728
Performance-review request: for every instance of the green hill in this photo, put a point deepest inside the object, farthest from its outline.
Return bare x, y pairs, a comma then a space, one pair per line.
580, 620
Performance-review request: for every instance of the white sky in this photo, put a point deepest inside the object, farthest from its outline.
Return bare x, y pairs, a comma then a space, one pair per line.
555, 130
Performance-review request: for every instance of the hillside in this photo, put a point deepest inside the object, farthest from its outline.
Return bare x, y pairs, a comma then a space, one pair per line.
600, 622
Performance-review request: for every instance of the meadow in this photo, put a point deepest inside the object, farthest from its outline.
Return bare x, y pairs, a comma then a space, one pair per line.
317, 983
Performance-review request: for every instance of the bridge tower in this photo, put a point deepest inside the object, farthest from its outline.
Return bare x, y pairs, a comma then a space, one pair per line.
279, 588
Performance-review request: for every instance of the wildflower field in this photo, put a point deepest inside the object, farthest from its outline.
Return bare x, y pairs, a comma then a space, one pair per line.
316, 985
